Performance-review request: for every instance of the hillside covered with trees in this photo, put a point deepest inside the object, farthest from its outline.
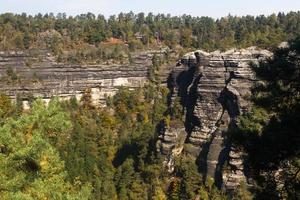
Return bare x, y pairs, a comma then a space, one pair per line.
73, 150
76, 150
62, 32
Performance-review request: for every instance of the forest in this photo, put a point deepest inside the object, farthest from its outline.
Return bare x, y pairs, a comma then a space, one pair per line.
76, 150
61, 32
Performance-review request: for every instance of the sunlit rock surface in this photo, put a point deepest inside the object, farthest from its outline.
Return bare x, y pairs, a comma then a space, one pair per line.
36, 73
214, 89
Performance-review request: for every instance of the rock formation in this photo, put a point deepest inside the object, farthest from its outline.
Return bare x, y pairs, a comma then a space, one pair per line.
214, 89
35, 73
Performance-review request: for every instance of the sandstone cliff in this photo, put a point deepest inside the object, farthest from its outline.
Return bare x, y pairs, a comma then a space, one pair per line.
36, 73
214, 89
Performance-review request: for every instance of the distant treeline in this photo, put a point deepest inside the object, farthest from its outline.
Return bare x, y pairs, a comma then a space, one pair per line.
62, 32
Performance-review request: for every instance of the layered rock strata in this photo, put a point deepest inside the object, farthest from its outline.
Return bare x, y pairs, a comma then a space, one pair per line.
35, 73
214, 89
234, 174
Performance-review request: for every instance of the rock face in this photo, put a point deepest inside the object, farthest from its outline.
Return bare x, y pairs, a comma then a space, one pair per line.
37, 74
214, 89
234, 175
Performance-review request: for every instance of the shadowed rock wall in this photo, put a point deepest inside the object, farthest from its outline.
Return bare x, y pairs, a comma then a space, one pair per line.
214, 89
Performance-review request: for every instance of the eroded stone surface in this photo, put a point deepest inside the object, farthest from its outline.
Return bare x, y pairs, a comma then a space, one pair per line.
234, 174
37, 74
214, 90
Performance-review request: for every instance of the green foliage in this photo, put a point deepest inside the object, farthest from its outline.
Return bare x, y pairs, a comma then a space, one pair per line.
114, 151
189, 184
269, 134
186, 37
209, 191
74, 150
70, 150
191, 179
139, 31
251, 127
242, 193
11, 74
6, 108
156, 64
176, 110
129, 183
102, 53
31, 167
135, 44
26, 40
171, 39
254, 121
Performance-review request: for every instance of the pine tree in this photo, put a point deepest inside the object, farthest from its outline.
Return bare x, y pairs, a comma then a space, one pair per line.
30, 167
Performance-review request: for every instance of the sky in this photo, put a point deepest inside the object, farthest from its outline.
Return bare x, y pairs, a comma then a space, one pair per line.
211, 8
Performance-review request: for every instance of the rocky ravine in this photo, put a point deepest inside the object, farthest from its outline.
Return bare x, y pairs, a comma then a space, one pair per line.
214, 89
35, 73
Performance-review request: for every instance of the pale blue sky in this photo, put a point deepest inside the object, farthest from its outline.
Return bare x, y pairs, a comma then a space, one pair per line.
213, 8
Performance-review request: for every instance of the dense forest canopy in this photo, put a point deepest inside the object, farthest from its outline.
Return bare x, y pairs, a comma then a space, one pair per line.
62, 32
76, 150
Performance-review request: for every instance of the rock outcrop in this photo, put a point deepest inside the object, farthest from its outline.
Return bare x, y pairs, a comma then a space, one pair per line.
214, 89
36, 73
234, 174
